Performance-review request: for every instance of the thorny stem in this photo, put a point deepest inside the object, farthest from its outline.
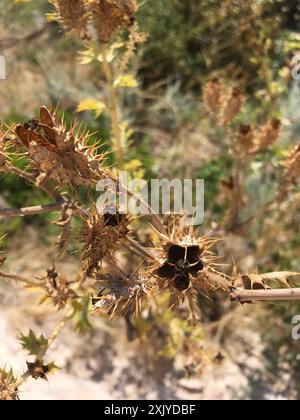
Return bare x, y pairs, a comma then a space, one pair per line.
28, 211
61, 201
233, 212
30, 178
155, 219
140, 250
114, 108
265, 295
57, 330
19, 279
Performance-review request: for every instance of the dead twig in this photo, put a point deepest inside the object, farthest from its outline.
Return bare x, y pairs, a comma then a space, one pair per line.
29, 211
265, 295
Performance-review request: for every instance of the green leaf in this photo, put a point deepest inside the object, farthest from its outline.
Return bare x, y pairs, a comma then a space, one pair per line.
81, 315
33, 344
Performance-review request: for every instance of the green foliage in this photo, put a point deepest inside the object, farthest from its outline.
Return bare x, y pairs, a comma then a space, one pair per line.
80, 315
35, 346
241, 39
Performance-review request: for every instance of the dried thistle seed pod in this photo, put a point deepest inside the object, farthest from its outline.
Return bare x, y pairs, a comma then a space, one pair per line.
100, 236
231, 191
73, 15
2, 260
292, 166
212, 96
8, 391
186, 266
123, 294
109, 16
231, 104
4, 156
181, 262
245, 138
267, 135
58, 153
37, 369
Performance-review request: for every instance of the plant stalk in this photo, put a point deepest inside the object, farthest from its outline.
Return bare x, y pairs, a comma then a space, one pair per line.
114, 109
275, 295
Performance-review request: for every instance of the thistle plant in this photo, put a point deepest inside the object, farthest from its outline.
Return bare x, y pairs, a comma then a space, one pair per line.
180, 263
97, 24
177, 263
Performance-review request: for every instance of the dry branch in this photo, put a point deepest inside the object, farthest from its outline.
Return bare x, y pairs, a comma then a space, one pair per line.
265, 295
28, 211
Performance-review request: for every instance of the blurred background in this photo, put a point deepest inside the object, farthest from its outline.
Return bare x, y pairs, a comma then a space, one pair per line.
249, 45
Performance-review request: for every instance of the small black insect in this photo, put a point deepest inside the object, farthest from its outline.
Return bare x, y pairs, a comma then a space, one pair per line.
32, 125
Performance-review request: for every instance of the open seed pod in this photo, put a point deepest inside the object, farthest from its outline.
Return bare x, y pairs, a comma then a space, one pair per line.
58, 153
110, 16
187, 267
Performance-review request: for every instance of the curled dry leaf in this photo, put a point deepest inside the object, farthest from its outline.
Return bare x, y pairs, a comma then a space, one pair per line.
279, 276
64, 223
58, 289
259, 287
